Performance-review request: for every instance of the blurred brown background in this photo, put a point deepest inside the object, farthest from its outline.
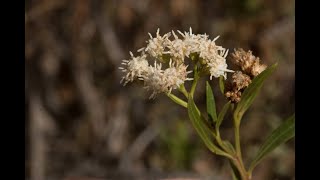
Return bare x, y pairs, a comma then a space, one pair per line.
82, 124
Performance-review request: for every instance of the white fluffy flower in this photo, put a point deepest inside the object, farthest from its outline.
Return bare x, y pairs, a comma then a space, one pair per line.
161, 48
135, 67
181, 48
156, 46
192, 41
177, 49
176, 75
215, 56
163, 81
154, 80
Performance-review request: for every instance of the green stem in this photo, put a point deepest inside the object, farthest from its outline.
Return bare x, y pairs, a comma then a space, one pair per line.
219, 140
183, 90
221, 144
239, 164
177, 100
238, 158
195, 81
226, 155
237, 140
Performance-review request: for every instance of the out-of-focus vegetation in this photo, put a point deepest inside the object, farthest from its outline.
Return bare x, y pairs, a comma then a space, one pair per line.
82, 123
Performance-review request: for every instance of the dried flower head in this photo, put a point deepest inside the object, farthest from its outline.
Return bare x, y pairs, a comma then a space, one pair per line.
240, 80
248, 62
233, 96
257, 68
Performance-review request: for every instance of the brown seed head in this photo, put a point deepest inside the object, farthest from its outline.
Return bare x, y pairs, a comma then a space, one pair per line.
233, 96
240, 80
248, 63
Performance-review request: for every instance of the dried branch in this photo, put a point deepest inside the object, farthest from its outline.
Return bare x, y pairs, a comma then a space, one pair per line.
83, 77
138, 146
40, 125
42, 9
110, 41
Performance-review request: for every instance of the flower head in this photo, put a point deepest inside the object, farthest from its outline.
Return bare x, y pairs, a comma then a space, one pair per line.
176, 75
240, 80
177, 49
171, 53
135, 68
156, 45
154, 80
250, 66
163, 81
215, 56
248, 62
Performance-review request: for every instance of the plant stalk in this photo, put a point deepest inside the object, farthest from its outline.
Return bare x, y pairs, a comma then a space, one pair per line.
183, 90
237, 161
238, 157
177, 100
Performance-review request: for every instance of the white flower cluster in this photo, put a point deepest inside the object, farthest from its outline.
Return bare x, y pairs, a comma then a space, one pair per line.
158, 80
162, 49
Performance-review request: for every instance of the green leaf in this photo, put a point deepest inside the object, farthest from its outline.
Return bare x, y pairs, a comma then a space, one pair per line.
280, 135
211, 104
251, 92
201, 128
222, 114
229, 147
221, 84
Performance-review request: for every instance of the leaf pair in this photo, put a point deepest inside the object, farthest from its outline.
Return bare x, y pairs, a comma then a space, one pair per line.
199, 123
202, 129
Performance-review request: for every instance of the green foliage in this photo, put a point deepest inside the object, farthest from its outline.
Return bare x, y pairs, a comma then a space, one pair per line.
221, 84
279, 136
211, 104
223, 113
203, 131
251, 92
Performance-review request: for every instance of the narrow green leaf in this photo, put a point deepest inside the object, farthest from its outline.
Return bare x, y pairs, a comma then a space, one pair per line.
222, 114
251, 92
229, 146
202, 130
280, 135
211, 104
221, 84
